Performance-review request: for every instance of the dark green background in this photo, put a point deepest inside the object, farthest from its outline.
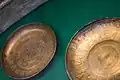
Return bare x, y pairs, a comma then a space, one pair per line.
65, 17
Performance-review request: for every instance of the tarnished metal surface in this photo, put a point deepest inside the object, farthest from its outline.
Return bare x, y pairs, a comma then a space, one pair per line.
15, 11
3, 3
94, 51
28, 50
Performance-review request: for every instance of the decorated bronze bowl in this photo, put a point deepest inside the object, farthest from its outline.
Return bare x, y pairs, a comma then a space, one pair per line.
94, 51
28, 50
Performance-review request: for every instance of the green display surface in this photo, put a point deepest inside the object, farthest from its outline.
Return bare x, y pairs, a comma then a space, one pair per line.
65, 17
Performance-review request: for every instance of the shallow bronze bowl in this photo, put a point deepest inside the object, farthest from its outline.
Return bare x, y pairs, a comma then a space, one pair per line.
28, 50
94, 51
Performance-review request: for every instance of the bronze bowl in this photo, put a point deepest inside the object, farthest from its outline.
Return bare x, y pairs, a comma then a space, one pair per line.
28, 50
94, 51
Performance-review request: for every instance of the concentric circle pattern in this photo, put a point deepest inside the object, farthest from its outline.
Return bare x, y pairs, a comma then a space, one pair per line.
28, 50
94, 51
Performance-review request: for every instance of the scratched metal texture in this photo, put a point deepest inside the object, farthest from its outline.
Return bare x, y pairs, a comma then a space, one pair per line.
15, 10
3, 3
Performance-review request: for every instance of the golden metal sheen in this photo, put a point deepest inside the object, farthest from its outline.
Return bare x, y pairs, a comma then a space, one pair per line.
28, 50
94, 51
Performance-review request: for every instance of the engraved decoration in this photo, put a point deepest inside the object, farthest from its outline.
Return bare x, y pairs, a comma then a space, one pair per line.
94, 51
28, 51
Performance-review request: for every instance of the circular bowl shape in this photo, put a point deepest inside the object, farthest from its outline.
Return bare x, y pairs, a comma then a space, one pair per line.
28, 50
94, 51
